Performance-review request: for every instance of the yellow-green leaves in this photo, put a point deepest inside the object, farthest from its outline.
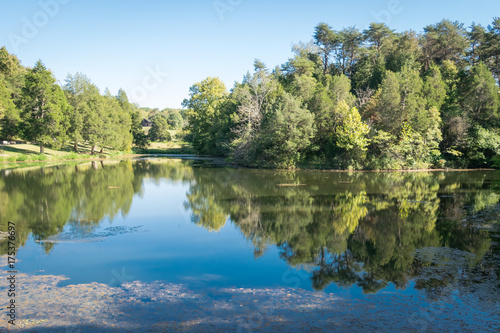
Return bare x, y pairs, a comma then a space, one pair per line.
352, 133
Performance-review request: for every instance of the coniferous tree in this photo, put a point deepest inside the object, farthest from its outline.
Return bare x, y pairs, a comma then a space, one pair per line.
44, 109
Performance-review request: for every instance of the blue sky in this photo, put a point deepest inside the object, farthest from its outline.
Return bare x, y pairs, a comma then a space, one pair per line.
155, 50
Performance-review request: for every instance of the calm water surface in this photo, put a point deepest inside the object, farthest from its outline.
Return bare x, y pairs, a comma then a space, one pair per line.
432, 236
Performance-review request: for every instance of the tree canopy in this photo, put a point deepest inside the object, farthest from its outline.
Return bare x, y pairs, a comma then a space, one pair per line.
372, 99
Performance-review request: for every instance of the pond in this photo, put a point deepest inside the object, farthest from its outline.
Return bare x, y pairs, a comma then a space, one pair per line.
164, 244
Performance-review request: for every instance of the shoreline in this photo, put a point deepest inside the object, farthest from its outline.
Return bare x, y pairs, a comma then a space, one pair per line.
235, 166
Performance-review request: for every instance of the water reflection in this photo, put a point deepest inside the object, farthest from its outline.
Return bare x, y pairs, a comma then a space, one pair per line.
353, 229
42, 201
364, 229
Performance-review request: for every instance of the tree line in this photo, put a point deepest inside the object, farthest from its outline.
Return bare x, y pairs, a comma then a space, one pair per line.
35, 108
371, 99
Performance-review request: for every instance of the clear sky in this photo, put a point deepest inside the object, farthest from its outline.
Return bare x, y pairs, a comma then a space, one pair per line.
156, 49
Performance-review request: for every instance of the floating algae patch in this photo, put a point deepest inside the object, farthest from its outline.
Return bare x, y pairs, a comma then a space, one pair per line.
82, 234
448, 271
45, 306
444, 257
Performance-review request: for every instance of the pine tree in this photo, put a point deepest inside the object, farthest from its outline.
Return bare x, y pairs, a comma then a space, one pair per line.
43, 108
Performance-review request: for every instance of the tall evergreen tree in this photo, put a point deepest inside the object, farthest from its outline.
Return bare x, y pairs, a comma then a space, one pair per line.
442, 41
480, 96
327, 40
43, 108
9, 114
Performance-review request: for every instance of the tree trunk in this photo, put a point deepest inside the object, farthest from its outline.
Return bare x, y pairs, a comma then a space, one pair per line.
93, 150
41, 148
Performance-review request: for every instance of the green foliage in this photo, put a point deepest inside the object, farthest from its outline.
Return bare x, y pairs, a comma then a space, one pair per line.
483, 147
204, 102
369, 73
9, 114
38, 157
434, 89
326, 39
159, 130
286, 132
175, 120
416, 102
442, 41
21, 158
253, 102
44, 109
388, 107
405, 50
72, 156
377, 34
419, 99
352, 133
103, 120
481, 96
140, 139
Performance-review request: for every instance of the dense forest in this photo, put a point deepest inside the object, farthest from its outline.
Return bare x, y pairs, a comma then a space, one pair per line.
35, 108
348, 99
351, 99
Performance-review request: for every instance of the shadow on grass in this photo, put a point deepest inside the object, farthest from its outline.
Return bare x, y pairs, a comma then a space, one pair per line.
18, 150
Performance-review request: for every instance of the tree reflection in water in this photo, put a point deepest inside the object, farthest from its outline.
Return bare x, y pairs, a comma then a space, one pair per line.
359, 229
363, 229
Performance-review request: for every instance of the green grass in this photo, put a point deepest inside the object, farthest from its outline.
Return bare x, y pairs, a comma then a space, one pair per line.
167, 148
30, 152
72, 156
38, 157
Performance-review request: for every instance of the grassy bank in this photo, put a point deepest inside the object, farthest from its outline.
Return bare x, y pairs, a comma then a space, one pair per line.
30, 152
166, 148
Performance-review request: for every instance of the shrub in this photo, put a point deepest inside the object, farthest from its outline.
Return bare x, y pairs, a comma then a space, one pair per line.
38, 157
72, 156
